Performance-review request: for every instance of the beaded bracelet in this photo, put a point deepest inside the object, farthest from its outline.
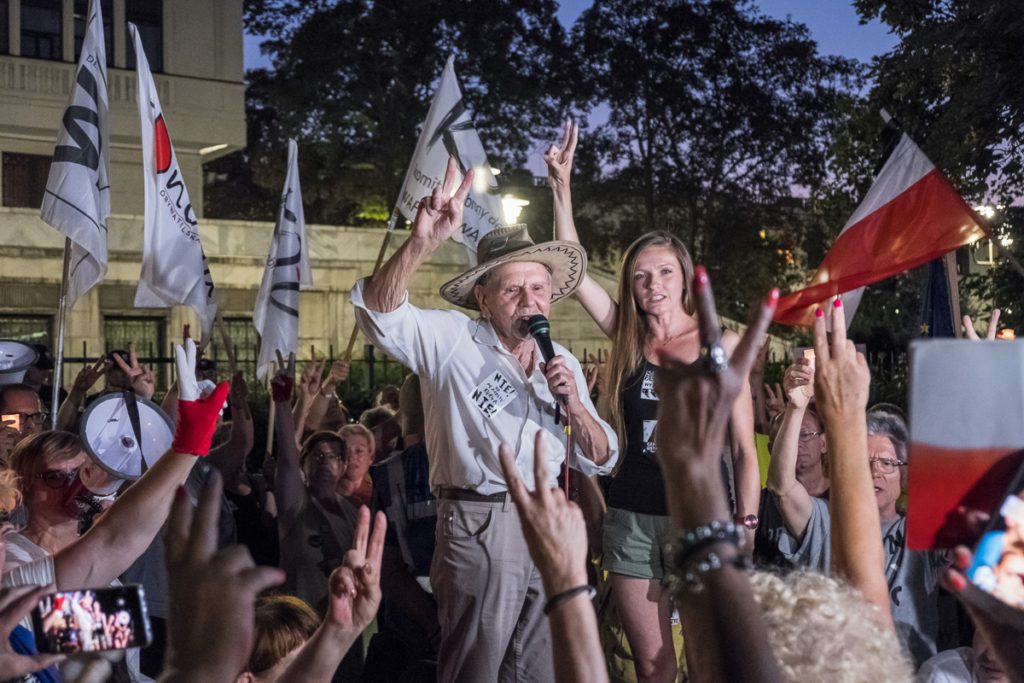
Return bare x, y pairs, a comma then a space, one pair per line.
690, 580
690, 542
567, 595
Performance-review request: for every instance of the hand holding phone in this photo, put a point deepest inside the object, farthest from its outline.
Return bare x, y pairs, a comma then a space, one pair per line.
92, 620
11, 421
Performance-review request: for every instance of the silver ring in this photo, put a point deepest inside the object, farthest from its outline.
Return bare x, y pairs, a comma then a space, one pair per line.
715, 358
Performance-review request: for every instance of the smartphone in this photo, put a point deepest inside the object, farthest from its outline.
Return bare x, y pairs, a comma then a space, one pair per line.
92, 620
11, 421
999, 556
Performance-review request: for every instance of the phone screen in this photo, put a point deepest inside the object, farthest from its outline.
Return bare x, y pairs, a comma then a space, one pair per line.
92, 620
12, 421
998, 566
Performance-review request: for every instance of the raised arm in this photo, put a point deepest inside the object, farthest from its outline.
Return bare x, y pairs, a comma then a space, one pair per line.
309, 388
67, 415
559, 160
288, 488
437, 219
591, 437
746, 474
126, 529
229, 457
791, 497
841, 385
693, 416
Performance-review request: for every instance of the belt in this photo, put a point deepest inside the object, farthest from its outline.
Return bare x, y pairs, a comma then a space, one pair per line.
471, 496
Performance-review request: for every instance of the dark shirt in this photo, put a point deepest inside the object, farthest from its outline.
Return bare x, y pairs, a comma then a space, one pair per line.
638, 486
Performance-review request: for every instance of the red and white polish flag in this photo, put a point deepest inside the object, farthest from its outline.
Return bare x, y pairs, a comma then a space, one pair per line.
174, 267
966, 403
910, 216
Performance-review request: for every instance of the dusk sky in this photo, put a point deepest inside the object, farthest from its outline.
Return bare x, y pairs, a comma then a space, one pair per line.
834, 25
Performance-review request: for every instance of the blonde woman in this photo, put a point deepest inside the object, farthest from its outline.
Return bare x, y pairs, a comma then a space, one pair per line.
654, 315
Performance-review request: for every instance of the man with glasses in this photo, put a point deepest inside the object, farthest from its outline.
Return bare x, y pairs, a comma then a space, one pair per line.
23, 415
803, 540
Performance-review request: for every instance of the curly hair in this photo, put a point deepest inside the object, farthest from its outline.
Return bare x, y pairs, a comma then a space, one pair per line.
824, 630
10, 495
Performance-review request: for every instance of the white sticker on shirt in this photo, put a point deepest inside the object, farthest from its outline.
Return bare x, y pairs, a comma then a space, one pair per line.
493, 394
647, 392
649, 446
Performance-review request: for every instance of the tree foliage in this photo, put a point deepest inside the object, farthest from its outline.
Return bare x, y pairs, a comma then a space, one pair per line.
352, 80
954, 82
716, 114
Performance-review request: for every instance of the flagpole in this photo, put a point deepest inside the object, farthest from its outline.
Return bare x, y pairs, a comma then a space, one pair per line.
58, 369
392, 221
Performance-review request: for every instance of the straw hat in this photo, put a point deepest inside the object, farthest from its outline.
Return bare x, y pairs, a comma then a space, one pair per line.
566, 261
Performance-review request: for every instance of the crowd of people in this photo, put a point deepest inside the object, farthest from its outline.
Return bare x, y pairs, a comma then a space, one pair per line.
509, 513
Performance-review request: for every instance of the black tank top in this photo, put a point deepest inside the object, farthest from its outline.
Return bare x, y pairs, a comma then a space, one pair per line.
638, 486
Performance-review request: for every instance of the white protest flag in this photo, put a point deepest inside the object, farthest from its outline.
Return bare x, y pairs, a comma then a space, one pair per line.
77, 198
174, 268
448, 132
276, 316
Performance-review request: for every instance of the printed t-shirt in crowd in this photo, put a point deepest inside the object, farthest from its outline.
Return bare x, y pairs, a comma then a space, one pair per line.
912, 575
638, 485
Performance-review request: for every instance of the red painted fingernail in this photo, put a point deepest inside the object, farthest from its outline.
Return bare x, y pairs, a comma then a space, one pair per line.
818, 313
838, 303
700, 277
773, 297
956, 581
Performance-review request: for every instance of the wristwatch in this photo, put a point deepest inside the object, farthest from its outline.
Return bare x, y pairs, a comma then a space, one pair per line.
750, 521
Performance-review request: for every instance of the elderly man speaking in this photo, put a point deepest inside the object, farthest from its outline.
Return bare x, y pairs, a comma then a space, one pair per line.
483, 384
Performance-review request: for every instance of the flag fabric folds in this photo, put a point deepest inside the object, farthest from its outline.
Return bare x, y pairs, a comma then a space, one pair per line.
911, 215
276, 316
939, 303
448, 132
174, 267
77, 197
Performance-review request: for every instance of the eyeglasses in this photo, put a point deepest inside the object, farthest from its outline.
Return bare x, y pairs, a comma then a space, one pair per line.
58, 479
320, 456
885, 465
36, 419
807, 436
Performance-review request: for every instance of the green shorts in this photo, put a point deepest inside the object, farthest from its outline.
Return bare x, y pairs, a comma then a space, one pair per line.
634, 544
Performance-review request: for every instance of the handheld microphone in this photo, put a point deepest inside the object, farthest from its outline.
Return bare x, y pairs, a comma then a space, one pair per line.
540, 329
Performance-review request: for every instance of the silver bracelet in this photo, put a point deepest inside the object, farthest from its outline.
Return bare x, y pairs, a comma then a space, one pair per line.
691, 581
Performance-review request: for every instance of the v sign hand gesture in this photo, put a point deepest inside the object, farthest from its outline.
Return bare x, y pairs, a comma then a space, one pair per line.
440, 214
559, 157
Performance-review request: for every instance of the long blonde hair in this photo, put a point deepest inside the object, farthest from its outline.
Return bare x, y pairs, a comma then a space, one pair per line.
631, 328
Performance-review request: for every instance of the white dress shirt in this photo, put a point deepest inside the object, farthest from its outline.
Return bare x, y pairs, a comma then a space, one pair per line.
476, 396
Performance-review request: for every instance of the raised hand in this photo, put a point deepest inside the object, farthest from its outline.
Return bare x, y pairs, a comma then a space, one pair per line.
140, 377
15, 605
89, 375
211, 627
339, 372
284, 380
310, 382
239, 394
993, 326
774, 400
197, 415
559, 157
553, 526
842, 380
355, 585
798, 382
440, 215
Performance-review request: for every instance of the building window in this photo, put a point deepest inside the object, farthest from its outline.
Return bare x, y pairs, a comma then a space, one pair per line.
25, 179
30, 329
148, 16
41, 29
82, 16
5, 33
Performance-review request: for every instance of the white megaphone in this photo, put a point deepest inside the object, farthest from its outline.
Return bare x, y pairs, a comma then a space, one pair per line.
15, 358
124, 434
